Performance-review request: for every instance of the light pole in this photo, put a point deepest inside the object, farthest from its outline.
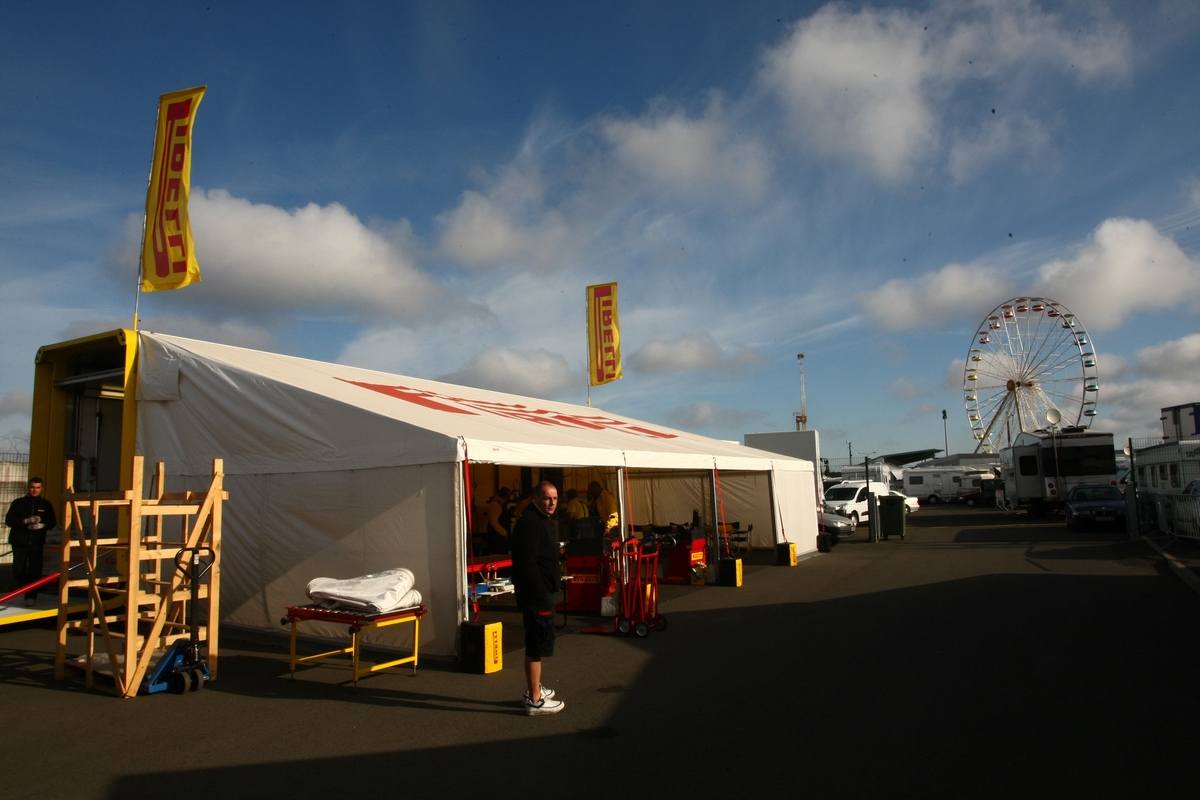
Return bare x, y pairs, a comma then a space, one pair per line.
802, 419
850, 450
945, 434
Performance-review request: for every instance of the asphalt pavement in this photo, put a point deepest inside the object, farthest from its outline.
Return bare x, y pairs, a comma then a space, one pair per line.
987, 654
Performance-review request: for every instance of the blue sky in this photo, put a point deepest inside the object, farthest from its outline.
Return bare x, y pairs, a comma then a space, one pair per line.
427, 188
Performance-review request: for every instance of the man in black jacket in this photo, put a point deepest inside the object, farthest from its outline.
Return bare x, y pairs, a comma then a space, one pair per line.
28, 519
535, 576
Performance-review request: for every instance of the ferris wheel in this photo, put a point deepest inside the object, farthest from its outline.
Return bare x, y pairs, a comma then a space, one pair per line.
1030, 357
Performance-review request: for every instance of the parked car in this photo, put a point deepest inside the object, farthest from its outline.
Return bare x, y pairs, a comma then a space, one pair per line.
985, 495
911, 504
836, 524
1095, 505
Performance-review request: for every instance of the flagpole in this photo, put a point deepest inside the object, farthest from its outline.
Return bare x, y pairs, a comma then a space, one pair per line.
587, 344
137, 298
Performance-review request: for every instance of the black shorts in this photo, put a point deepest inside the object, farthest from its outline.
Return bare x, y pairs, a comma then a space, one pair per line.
539, 627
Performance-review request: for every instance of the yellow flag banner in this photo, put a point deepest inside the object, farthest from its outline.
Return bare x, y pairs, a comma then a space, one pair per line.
168, 258
604, 338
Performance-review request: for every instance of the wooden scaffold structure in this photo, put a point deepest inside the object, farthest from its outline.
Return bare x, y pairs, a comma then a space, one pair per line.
139, 610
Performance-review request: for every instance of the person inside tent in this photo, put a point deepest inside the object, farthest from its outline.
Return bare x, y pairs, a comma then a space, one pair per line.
604, 505
576, 509
498, 520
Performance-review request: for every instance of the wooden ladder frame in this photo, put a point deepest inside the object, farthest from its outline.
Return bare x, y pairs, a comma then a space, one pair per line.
152, 608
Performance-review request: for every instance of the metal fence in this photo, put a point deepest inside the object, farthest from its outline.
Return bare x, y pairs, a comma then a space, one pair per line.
14, 473
1163, 472
835, 468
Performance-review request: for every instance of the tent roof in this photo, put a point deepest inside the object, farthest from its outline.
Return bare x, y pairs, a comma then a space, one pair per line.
282, 413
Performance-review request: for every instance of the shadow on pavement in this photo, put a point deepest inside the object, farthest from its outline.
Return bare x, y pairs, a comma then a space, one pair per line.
989, 686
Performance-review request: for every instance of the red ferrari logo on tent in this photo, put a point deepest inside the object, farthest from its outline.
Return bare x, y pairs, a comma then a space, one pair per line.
471, 407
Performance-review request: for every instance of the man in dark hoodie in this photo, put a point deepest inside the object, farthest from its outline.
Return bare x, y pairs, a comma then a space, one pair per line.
28, 519
535, 576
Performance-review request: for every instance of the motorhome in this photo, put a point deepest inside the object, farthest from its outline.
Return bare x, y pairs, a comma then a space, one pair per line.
932, 485
1041, 468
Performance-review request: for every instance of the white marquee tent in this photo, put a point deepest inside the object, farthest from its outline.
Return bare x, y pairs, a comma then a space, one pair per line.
335, 471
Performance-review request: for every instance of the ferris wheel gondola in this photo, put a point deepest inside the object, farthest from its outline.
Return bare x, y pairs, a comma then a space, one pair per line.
1029, 356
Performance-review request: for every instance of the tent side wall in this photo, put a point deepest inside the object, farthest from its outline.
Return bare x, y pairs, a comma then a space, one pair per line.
661, 497
283, 530
796, 501
779, 504
746, 500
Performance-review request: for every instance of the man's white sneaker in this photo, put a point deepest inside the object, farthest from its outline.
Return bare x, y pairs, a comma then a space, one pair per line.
546, 693
543, 706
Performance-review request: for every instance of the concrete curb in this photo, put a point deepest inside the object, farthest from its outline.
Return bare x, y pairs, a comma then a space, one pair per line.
1183, 573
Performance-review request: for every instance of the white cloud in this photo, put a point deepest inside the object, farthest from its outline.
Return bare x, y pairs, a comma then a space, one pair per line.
522, 311
255, 256
16, 401
231, 332
1127, 266
904, 389
952, 378
16, 406
1112, 367
691, 156
952, 292
997, 35
1132, 409
706, 414
1169, 376
852, 83
874, 84
535, 374
482, 233
688, 354
1172, 360
922, 412
971, 153
507, 224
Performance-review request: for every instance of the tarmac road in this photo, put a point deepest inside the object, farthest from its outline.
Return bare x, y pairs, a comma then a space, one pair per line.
985, 655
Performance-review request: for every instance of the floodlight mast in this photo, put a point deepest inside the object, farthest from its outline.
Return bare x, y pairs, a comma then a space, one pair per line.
802, 417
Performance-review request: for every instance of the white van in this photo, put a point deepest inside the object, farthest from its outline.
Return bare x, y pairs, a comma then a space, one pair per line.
849, 498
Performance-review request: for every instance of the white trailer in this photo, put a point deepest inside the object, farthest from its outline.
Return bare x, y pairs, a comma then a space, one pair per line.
1041, 468
932, 485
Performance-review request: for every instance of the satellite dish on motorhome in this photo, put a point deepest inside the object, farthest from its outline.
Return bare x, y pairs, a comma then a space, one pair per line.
1053, 416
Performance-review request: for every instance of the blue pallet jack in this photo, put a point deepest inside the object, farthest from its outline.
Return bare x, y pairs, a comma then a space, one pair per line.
182, 669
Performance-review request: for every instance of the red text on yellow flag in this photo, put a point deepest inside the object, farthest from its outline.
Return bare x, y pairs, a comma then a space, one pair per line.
168, 256
604, 336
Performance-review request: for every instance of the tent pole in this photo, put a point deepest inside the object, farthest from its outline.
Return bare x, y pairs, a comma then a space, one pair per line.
621, 497
714, 542
778, 531
464, 548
